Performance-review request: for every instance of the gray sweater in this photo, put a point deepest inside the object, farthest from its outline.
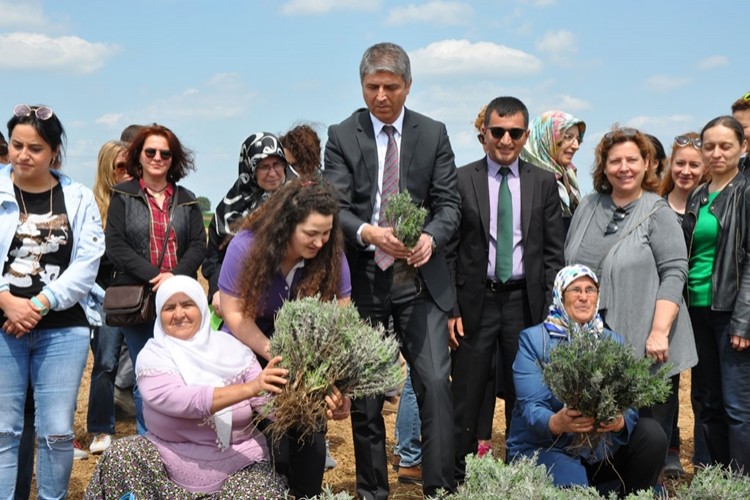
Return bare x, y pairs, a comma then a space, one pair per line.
646, 263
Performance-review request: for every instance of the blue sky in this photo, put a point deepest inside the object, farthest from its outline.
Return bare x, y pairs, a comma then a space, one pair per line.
215, 72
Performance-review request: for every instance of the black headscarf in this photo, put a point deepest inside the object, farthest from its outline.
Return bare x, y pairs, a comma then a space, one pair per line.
246, 195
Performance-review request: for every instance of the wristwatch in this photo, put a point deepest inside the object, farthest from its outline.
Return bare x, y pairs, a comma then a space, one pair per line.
43, 310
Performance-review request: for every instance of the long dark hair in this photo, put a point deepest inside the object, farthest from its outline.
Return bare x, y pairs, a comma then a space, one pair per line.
273, 224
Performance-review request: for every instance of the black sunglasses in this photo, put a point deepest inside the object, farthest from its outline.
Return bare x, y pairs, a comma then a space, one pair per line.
626, 132
614, 225
151, 153
499, 132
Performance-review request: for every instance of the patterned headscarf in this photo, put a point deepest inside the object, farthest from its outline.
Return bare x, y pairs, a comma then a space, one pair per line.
545, 135
246, 195
558, 322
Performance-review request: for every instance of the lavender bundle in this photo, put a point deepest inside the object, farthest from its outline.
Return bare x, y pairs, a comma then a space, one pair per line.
324, 345
602, 378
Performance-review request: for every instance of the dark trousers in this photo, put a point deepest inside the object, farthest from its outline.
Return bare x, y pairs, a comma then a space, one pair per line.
302, 462
664, 413
504, 314
105, 345
422, 329
636, 465
720, 389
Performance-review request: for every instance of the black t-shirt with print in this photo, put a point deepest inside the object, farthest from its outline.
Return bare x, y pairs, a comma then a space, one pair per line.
40, 252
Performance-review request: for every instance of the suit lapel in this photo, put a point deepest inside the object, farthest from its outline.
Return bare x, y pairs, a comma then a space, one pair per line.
527, 196
482, 193
409, 138
369, 150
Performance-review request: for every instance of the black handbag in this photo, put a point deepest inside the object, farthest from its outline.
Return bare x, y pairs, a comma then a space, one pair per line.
126, 305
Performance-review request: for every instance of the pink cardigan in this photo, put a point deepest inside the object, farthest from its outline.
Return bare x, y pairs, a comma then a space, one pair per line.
176, 416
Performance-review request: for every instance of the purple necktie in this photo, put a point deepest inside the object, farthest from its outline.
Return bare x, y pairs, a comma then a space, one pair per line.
390, 187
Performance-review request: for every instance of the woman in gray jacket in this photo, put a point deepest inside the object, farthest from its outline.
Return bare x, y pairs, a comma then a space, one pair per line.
630, 237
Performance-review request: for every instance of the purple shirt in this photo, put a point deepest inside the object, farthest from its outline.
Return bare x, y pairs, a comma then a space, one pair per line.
279, 291
514, 184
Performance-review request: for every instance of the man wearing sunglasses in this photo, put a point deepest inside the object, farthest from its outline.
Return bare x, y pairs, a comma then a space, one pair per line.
372, 155
508, 250
741, 113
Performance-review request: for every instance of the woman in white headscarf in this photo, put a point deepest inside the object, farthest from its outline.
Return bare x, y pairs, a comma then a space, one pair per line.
200, 393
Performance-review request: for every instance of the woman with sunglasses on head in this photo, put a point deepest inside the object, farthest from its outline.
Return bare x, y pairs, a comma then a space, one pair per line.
685, 171
717, 231
262, 169
52, 241
554, 138
154, 227
628, 235
105, 340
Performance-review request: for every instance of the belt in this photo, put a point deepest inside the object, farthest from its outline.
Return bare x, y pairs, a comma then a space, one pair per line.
496, 286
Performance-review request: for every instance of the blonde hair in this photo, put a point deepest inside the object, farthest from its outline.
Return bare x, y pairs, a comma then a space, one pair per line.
105, 175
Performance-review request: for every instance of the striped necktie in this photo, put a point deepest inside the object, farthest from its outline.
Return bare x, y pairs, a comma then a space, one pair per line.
390, 187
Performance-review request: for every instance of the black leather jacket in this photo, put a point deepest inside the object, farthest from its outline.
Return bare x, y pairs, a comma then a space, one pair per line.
128, 234
730, 280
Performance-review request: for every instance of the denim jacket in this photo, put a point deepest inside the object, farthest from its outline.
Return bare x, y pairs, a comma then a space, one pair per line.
76, 283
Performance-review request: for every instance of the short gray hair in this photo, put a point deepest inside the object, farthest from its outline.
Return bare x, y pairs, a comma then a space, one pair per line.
385, 56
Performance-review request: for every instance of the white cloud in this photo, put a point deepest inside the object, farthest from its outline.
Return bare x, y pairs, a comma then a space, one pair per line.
652, 122
436, 12
67, 54
110, 119
664, 83
558, 44
28, 14
304, 7
461, 57
224, 96
713, 62
569, 103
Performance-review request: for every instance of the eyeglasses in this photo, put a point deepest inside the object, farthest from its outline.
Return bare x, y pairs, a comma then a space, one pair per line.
499, 132
151, 153
41, 112
120, 167
569, 138
588, 291
683, 140
278, 167
617, 217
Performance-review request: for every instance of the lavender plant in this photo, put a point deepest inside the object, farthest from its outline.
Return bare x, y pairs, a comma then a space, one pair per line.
406, 218
602, 378
324, 345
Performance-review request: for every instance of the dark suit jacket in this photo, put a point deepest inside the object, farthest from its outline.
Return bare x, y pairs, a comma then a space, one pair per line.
426, 169
543, 239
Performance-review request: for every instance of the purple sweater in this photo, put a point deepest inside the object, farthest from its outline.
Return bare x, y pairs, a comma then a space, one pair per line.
177, 419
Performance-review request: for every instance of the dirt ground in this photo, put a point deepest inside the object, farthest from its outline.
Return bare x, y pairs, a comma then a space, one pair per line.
341, 478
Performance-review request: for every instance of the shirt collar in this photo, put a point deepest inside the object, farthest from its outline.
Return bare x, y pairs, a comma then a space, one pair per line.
398, 124
493, 168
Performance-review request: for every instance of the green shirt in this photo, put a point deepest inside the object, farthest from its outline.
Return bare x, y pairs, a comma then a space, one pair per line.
701, 265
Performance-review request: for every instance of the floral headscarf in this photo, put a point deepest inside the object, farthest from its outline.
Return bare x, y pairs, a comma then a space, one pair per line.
558, 322
246, 195
545, 135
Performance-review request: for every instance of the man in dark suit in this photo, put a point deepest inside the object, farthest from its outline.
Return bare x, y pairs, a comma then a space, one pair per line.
508, 250
360, 157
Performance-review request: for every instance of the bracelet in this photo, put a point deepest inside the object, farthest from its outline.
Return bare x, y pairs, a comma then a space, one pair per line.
43, 310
